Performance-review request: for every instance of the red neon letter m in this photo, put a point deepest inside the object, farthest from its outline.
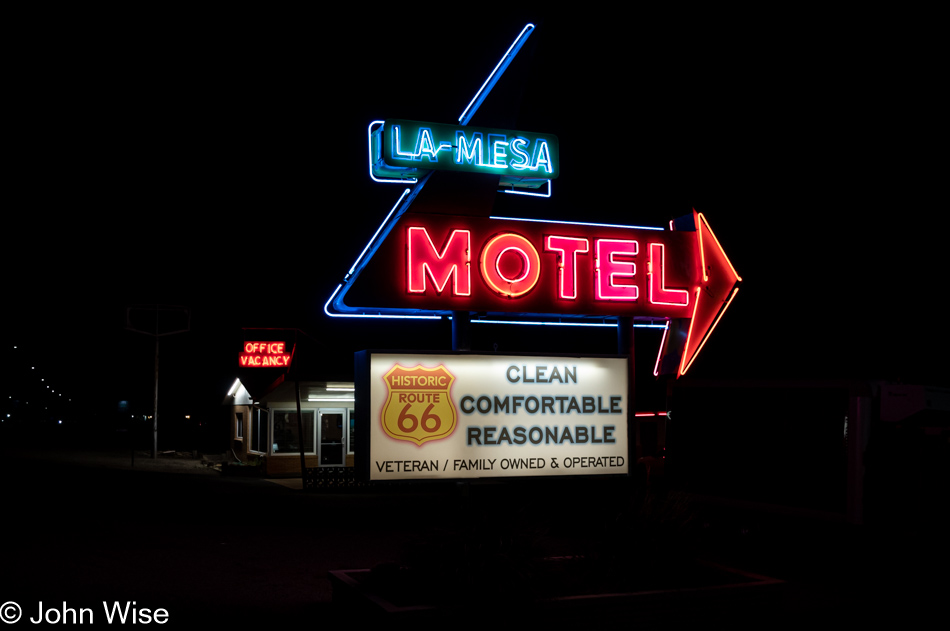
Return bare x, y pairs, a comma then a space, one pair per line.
423, 260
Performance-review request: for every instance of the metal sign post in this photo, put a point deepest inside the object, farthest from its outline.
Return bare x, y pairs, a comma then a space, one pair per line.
156, 333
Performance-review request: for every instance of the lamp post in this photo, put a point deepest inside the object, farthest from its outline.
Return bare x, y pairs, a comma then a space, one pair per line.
157, 333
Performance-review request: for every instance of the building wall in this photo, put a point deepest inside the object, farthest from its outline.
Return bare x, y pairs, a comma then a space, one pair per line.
290, 465
287, 465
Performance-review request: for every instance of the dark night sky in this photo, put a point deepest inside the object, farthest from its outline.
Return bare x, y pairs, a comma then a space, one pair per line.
203, 161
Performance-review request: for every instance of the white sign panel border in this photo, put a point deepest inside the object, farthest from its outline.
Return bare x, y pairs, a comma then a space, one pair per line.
515, 415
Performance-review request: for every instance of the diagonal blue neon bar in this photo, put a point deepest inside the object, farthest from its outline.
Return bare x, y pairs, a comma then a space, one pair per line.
499, 70
391, 316
378, 230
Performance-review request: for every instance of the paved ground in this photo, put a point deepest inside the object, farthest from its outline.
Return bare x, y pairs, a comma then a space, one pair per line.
176, 534
87, 527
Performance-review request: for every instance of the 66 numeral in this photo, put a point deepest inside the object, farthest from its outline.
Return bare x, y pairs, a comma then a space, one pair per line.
408, 422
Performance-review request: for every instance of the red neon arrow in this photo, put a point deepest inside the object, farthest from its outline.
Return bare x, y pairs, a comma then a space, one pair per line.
719, 283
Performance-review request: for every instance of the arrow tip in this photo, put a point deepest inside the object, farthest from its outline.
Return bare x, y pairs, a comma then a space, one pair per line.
718, 287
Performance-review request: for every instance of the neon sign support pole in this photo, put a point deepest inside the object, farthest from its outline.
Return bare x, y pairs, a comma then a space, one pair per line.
155, 401
625, 347
461, 330
300, 433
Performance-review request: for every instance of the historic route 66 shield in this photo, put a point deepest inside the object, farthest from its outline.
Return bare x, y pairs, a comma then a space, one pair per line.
419, 407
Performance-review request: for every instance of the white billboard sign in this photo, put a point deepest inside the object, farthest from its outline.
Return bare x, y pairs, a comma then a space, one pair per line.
457, 416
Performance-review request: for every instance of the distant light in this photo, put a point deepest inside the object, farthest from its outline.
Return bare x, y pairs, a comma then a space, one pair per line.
234, 387
59, 422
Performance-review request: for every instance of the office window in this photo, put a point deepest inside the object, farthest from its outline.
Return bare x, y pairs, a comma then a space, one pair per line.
286, 432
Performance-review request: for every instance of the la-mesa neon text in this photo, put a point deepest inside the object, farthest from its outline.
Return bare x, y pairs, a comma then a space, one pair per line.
471, 149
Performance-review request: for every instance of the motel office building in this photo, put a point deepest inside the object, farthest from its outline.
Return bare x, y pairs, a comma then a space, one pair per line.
266, 431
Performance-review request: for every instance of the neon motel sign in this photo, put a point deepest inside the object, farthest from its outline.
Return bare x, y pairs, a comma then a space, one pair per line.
430, 263
438, 264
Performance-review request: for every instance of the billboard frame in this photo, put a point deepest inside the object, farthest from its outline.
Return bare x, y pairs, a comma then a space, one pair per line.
365, 414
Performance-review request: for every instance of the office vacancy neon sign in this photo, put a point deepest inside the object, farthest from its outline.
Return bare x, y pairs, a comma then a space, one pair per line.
265, 355
401, 148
